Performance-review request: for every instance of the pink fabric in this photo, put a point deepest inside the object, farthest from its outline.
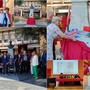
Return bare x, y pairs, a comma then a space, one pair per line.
69, 79
31, 21
75, 50
1, 3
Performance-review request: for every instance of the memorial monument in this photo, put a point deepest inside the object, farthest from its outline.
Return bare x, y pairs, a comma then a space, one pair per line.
31, 19
79, 14
31, 13
10, 49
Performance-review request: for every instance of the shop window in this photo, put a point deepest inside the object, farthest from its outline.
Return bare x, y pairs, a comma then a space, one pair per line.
12, 37
5, 38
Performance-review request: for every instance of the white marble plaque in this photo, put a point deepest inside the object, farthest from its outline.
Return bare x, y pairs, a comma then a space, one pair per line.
79, 14
10, 51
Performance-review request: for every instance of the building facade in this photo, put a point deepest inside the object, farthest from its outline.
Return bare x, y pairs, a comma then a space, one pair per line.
7, 35
24, 9
58, 6
9, 4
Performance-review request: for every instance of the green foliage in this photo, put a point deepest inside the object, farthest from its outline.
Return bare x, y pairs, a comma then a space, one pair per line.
42, 1
37, 17
31, 32
16, 20
18, 2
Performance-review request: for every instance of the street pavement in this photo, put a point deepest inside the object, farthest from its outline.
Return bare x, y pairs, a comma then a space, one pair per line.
23, 24
21, 82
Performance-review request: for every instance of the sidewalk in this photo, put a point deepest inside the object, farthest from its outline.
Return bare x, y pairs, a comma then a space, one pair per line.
21, 82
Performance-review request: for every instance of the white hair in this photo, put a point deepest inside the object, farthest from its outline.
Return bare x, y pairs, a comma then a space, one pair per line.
50, 13
55, 18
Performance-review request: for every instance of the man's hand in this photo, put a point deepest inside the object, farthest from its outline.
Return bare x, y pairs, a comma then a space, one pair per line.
58, 37
74, 39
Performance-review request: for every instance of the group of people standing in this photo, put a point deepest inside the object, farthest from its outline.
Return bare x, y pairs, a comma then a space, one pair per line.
24, 63
6, 19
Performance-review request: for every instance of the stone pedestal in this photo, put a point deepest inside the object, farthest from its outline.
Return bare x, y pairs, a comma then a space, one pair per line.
10, 49
79, 14
31, 21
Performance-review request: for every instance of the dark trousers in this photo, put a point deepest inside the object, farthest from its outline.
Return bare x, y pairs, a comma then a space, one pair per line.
17, 66
5, 68
24, 66
1, 67
54, 51
0, 70
1, 25
44, 71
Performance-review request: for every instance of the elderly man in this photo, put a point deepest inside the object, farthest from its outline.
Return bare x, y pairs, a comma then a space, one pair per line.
25, 62
49, 16
53, 31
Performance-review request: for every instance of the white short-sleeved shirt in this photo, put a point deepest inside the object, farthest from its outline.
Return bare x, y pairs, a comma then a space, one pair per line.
34, 60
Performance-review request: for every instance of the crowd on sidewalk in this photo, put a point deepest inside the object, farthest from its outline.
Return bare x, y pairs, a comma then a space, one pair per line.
24, 62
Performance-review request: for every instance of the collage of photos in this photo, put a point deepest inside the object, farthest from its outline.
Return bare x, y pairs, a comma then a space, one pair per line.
44, 44
23, 40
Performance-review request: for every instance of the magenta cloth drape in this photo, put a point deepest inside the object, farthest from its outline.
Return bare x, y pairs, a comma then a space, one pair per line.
1, 3
75, 50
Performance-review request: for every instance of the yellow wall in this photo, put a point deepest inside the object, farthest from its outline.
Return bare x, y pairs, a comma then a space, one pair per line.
10, 5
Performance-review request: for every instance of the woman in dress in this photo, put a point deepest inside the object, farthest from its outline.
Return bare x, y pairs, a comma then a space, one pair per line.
53, 31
